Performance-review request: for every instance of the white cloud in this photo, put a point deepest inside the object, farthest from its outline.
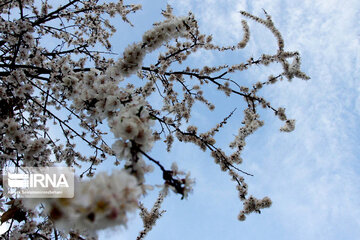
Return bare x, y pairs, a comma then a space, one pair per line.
317, 191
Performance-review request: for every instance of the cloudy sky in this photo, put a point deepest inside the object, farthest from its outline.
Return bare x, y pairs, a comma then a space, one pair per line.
312, 174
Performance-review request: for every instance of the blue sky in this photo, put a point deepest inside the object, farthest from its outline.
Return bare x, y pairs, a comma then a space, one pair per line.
311, 174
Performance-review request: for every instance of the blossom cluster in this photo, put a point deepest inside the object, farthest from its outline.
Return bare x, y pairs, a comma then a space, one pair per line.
169, 29
253, 204
101, 202
251, 123
150, 217
34, 151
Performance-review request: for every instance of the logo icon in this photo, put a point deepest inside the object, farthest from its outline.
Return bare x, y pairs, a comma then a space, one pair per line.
18, 180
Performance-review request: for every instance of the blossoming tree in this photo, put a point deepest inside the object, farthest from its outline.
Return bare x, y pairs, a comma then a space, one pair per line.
78, 90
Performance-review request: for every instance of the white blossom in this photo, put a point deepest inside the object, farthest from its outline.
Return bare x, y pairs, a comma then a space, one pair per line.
59, 101
101, 202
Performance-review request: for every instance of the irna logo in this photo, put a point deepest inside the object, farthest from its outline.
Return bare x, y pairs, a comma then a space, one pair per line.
50, 182
34, 180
